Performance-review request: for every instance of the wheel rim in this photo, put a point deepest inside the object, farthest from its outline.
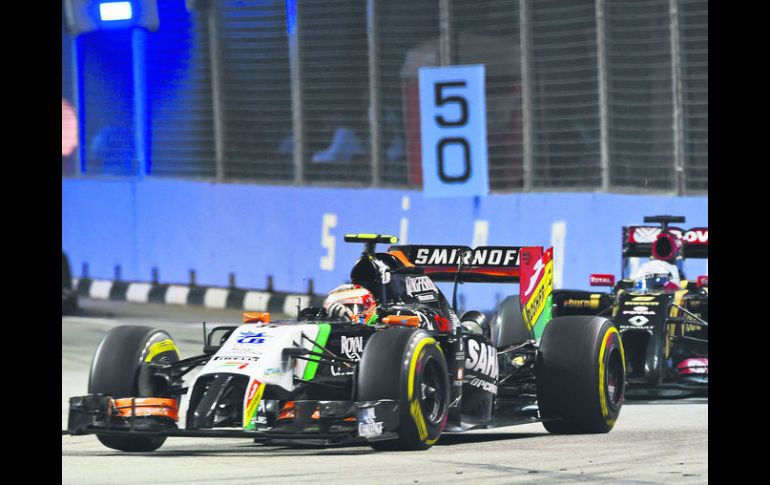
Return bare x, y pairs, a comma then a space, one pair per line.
614, 381
432, 392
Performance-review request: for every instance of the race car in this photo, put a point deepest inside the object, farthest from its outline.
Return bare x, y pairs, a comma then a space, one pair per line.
397, 380
662, 317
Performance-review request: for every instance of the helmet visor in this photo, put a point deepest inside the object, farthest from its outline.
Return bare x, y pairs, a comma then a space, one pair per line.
652, 282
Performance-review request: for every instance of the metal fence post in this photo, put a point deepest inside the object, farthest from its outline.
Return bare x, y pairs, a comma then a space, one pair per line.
676, 89
374, 84
526, 93
601, 52
141, 131
445, 47
216, 90
292, 30
79, 104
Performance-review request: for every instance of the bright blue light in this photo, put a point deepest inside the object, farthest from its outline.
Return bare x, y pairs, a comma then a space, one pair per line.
115, 11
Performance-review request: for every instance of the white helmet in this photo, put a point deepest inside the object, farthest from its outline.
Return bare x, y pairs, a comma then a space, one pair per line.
352, 301
656, 275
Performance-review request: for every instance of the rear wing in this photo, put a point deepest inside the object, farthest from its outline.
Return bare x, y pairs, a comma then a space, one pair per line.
484, 264
531, 266
637, 241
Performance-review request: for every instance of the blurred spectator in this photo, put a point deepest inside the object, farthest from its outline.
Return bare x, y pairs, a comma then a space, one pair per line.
286, 146
396, 149
111, 152
69, 137
345, 146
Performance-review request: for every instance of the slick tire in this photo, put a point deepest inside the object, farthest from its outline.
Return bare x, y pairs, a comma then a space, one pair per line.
408, 366
580, 375
120, 368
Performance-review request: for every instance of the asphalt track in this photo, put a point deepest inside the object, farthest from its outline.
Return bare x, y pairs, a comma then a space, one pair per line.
653, 441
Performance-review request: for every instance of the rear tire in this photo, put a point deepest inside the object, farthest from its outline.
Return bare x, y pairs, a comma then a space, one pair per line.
119, 369
408, 366
581, 375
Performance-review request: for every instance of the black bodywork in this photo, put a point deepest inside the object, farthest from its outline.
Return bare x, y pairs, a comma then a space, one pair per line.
662, 331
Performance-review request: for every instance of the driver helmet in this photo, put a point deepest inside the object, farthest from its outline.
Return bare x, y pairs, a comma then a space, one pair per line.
657, 275
360, 303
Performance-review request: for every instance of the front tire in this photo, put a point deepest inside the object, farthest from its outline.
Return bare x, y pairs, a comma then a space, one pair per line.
120, 368
408, 366
581, 375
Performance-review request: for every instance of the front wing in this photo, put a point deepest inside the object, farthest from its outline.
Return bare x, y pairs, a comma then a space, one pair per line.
374, 421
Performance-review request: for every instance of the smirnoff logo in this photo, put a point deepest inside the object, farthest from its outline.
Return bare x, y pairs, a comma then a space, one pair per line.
483, 256
602, 280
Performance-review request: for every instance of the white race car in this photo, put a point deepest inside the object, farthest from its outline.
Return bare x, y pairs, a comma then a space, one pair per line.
397, 381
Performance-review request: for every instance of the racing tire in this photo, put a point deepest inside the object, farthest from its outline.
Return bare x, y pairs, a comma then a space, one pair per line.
120, 368
580, 375
408, 366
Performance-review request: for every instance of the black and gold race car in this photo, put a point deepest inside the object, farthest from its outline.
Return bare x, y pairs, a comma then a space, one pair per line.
397, 381
663, 321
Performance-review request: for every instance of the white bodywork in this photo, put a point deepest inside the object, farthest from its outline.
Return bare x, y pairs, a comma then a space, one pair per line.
255, 350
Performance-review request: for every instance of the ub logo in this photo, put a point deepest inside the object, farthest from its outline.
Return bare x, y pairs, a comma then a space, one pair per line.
251, 338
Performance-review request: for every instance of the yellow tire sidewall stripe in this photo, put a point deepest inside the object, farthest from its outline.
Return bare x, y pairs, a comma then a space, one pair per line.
413, 364
414, 406
166, 345
602, 395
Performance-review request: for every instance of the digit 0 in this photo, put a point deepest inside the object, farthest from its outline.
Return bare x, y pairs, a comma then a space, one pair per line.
466, 173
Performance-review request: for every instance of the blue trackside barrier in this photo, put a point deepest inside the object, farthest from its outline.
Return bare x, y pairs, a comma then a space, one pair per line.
294, 234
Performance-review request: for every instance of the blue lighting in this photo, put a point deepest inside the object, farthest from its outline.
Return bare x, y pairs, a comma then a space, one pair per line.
115, 11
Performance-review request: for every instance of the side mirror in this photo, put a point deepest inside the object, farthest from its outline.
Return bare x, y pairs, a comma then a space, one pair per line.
602, 280
215, 338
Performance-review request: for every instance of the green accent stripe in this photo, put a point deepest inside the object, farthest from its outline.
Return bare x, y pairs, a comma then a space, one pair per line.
545, 316
324, 329
372, 319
